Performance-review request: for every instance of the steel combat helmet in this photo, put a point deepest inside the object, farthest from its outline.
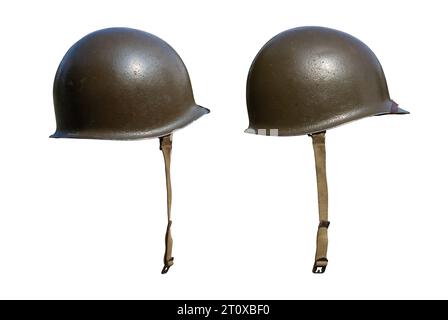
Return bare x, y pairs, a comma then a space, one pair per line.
310, 79
125, 84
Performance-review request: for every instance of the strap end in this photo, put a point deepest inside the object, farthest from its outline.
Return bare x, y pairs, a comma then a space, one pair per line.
320, 265
167, 265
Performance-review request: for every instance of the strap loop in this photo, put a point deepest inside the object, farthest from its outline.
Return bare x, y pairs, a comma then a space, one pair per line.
166, 146
321, 260
324, 224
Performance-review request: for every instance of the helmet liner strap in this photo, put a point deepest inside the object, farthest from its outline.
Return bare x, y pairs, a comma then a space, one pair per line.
166, 146
321, 260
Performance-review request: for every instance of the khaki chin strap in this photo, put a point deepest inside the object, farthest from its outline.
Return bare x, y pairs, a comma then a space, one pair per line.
166, 146
321, 261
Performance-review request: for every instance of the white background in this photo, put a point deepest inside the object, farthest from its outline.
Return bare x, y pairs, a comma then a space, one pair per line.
86, 219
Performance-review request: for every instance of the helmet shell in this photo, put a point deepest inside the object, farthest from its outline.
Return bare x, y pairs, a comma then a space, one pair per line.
122, 83
310, 79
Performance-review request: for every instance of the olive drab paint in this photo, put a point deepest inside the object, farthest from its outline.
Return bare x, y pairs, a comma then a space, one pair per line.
122, 83
125, 84
308, 80
311, 79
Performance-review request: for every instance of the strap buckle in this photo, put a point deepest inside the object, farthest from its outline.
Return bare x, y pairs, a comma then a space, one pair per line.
320, 265
324, 224
167, 265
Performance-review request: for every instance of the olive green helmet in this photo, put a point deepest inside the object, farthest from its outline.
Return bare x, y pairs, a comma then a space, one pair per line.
122, 83
125, 84
310, 79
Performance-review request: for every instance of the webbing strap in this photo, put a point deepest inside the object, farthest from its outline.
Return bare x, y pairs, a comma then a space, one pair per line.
166, 146
321, 261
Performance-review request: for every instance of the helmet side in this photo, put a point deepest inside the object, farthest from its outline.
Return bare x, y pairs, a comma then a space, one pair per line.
122, 83
311, 79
